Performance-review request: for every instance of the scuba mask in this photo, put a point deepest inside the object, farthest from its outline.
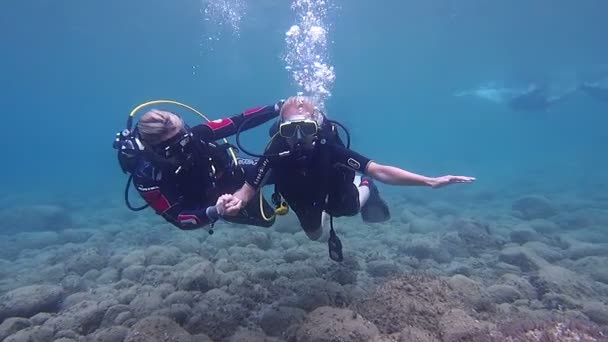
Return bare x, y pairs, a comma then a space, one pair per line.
300, 128
176, 152
300, 134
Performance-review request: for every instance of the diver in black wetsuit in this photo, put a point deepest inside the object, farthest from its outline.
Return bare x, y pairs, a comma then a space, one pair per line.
536, 98
597, 90
181, 172
314, 171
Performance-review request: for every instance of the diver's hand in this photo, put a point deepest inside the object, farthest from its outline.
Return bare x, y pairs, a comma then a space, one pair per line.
234, 207
231, 205
221, 204
438, 182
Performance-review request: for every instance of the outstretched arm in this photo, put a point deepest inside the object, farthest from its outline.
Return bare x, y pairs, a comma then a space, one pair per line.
396, 176
254, 181
234, 203
223, 128
245, 193
164, 198
389, 174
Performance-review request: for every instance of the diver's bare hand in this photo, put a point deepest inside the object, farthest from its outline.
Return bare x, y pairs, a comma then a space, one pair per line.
234, 208
233, 201
221, 204
439, 182
231, 205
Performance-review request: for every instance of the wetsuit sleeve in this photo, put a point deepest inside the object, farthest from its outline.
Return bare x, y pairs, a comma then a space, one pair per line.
262, 173
345, 157
257, 179
222, 128
164, 199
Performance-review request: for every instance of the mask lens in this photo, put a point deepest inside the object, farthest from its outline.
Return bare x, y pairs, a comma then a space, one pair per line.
288, 130
308, 128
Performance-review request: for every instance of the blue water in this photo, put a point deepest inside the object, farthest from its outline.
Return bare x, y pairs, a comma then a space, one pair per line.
71, 71
527, 241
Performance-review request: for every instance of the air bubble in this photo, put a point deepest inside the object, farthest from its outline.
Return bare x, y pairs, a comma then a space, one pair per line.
307, 57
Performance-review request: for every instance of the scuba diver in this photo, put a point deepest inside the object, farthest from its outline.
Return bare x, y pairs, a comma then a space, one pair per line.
182, 172
532, 98
536, 98
313, 170
597, 90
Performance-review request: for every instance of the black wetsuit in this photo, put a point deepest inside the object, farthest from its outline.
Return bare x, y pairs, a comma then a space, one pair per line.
538, 99
307, 179
533, 100
597, 91
183, 198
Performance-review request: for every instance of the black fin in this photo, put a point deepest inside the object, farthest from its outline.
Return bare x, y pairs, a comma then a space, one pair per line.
375, 210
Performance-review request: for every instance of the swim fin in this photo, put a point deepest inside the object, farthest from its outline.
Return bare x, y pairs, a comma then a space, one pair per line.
375, 210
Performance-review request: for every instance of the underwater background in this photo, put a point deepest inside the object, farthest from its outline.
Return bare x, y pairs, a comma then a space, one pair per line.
71, 72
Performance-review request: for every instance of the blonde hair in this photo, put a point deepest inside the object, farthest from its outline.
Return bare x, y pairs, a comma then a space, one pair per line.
157, 126
304, 105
